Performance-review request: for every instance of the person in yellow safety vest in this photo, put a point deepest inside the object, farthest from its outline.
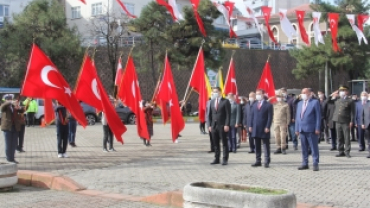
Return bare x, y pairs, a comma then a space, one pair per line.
31, 107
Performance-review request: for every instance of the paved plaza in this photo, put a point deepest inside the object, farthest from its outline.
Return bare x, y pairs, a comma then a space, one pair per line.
138, 170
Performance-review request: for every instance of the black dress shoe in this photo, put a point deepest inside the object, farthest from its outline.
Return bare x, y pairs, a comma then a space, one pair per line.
303, 167
256, 164
316, 168
368, 156
211, 151
295, 148
278, 151
215, 162
309, 152
266, 165
361, 150
348, 155
333, 149
224, 162
340, 155
251, 152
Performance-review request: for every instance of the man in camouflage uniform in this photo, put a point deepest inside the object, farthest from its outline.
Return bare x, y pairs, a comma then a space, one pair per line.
281, 121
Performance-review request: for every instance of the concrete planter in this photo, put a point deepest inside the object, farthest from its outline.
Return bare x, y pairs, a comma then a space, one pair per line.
212, 195
8, 175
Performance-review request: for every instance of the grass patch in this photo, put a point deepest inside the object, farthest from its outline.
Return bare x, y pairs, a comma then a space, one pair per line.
264, 191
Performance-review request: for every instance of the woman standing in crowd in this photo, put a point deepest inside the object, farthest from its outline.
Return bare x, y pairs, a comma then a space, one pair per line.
148, 110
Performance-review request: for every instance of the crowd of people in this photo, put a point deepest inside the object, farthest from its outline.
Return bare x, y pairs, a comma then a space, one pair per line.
308, 117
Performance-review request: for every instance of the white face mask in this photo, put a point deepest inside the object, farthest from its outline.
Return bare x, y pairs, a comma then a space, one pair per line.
259, 97
342, 93
241, 102
278, 99
363, 98
251, 100
283, 94
304, 96
214, 95
321, 96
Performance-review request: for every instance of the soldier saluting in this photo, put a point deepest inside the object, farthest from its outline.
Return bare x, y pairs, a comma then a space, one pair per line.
344, 115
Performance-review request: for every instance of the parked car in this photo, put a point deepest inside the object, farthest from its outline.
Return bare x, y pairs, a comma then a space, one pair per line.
90, 113
125, 114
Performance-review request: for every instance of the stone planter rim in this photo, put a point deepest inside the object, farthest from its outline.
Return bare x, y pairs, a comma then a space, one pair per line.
288, 192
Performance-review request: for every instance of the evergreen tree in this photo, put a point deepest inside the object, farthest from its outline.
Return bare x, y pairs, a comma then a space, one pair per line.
352, 58
44, 22
181, 40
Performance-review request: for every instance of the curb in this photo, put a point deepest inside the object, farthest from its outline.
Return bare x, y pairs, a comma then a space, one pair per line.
63, 183
48, 181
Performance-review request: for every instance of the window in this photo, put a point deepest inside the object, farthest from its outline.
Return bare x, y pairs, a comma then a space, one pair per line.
4, 10
295, 39
130, 7
275, 31
76, 12
96, 9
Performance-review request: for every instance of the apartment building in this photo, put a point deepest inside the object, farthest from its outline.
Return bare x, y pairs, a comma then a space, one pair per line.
10, 7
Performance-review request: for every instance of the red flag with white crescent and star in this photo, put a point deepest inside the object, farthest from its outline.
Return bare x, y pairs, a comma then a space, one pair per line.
168, 7
90, 90
267, 82
43, 80
361, 19
333, 22
129, 93
266, 14
302, 29
195, 4
86, 89
167, 94
119, 72
230, 82
198, 83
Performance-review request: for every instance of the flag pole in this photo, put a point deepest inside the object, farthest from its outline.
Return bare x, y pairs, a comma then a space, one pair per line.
191, 76
268, 57
187, 98
157, 86
83, 63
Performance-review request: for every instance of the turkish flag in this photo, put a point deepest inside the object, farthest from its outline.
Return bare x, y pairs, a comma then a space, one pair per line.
230, 83
267, 82
195, 4
119, 72
302, 29
90, 90
83, 1
86, 89
43, 80
167, 94
266, 14
162, 105
176, 15
113, 120
198, 82
333, 22
125, 9
361, 19
226, 11
129, 93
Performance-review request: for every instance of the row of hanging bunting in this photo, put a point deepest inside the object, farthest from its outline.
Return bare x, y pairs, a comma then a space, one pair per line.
226, 9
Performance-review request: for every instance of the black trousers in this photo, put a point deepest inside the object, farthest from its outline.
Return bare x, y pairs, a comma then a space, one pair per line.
211, 141
108, 135
30, 118
21, 138
266, 149
218, 134
62, 136
202, 127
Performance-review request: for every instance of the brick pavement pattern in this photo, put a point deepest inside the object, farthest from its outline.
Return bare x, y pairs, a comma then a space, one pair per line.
143, 171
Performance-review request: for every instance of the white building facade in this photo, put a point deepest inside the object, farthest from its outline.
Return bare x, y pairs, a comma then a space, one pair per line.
10, 7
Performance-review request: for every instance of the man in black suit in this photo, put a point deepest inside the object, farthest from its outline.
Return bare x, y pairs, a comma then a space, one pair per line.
219, 122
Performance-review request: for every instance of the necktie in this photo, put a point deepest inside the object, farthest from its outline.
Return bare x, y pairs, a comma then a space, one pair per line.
303, 108
216, 104
259, 104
